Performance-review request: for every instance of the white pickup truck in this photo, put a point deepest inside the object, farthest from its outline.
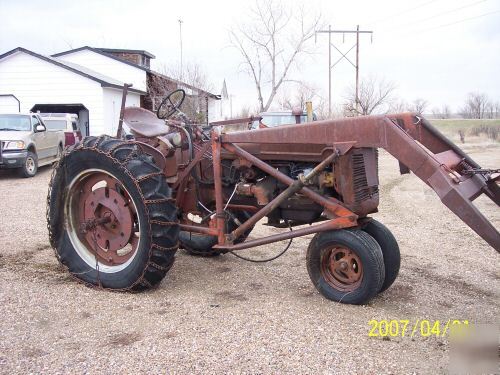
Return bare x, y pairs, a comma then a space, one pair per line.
26, 144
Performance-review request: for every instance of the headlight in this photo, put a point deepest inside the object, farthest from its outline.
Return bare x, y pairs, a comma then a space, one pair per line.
14, 145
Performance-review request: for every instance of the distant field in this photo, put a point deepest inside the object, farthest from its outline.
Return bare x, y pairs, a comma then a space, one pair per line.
456, 124
485, 129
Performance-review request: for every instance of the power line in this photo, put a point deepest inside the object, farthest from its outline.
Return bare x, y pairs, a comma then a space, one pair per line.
453, 23
436, 15
451, 11
405, 11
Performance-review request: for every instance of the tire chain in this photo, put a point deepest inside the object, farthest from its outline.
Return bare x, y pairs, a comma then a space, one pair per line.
86, 145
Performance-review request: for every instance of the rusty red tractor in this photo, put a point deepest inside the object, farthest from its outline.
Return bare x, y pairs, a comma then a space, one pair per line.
120, 207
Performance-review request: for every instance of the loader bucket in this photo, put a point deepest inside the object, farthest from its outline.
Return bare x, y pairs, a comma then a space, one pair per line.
415, 143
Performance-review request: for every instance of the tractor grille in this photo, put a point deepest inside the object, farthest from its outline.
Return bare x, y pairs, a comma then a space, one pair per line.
356, 180
363, 189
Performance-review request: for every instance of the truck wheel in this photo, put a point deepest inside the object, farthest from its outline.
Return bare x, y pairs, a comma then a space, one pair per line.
390, 250
111, 218
202, 245
30, 165
59, 153
346, 265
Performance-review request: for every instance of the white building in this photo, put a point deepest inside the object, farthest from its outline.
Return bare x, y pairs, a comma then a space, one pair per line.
88, 81
47, 84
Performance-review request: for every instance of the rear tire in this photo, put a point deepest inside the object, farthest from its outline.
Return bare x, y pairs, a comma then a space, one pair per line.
133, 178
30, 166
345, 265
390, 250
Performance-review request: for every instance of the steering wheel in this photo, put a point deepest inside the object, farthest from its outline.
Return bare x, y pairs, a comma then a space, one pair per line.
171, 104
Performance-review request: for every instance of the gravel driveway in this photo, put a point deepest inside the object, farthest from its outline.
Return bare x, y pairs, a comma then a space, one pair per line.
226, 315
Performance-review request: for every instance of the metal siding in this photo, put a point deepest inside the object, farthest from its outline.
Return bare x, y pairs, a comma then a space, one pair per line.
34, 81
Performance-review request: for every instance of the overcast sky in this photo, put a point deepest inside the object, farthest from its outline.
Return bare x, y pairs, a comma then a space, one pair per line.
426, 47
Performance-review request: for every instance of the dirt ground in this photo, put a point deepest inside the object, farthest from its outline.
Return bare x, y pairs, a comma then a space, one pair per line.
226, 315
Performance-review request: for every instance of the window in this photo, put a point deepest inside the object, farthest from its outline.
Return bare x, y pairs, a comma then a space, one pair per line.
15, 122
53, 124
35, 121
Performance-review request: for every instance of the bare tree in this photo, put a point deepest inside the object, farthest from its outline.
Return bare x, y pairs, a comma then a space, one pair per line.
441, 113
192, 73
436, 112
445, 111
304, 92
496, 109
475, 105
419, 106
398, 106
492, 110
194, 80
274, 39
320, 108
374, 97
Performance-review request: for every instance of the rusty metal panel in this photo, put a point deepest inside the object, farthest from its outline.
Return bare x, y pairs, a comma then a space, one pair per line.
412, 140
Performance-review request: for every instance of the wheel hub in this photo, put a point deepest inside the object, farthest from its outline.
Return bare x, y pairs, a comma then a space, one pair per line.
109, 224
342, 269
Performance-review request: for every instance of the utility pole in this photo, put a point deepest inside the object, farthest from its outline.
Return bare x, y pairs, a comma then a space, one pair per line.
329, 71
343, 56
180, 37
357, 69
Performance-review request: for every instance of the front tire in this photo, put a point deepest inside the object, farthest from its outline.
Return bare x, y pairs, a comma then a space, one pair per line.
30, 165
133, 245
390, 250
346, 265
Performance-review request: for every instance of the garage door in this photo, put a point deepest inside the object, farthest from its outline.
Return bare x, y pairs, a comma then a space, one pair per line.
8, 104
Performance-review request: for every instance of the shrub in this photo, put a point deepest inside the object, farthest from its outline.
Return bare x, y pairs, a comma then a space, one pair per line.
492, 132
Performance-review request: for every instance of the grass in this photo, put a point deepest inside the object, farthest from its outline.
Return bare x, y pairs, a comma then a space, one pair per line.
469, 127
454, 125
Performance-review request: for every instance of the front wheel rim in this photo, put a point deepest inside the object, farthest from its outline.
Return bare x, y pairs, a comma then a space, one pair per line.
30, 164
341, 268
102, 221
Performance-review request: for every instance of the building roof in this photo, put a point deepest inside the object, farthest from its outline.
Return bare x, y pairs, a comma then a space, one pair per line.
224, 94
121, 50
75, 68
184, 84
107, 52
103, 53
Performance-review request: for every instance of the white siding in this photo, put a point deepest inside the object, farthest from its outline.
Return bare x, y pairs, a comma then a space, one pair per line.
109, 67
8, 104
112, 100
215, 112
35, 81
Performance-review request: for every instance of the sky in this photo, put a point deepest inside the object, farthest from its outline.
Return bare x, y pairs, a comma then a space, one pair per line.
438, 50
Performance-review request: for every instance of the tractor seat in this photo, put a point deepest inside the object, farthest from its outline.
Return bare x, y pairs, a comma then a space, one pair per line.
144, 122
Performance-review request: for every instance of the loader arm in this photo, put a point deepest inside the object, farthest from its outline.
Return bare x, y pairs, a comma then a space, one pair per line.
414, 142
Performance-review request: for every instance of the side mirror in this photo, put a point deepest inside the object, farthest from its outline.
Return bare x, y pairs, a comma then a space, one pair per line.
40, 128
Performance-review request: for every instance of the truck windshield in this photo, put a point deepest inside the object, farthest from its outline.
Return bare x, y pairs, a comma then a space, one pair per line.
278, 119
15, 122
55, 124
284, 119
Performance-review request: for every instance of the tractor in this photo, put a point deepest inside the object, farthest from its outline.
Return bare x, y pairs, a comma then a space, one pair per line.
119, 207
